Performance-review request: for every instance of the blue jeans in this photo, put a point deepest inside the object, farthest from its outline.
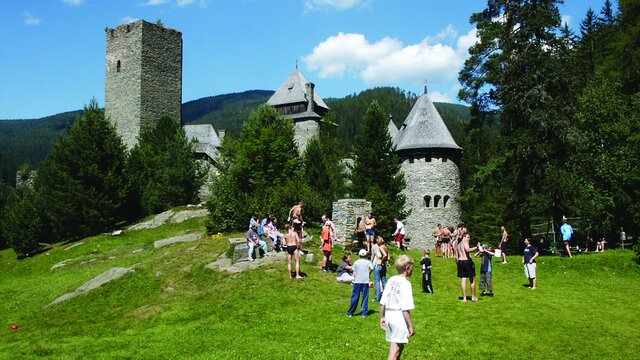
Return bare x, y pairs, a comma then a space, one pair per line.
262, 244
380, 276
355, 297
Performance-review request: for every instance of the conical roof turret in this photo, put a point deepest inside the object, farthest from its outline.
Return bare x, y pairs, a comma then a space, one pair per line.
424, 129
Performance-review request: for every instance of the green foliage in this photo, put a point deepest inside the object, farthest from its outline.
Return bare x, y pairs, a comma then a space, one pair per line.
376, 174
324, 169
23, 222
7, 170
260, 172
162, 170
81, 182
5, 192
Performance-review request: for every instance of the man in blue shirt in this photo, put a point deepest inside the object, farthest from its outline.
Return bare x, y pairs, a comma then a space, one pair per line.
567, 233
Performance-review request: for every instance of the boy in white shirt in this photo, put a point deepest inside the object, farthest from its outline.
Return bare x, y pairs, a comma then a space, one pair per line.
395, 306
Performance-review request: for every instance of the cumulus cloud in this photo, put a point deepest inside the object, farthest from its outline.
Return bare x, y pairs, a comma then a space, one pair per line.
30, 19
333, 4
440, 97
73, 2
389, 61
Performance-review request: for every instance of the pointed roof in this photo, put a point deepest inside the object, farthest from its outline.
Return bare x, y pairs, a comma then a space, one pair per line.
207, 141
393, 129
294, 90
424, 129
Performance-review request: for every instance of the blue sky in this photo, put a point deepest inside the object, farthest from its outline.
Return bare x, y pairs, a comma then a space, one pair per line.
52, 52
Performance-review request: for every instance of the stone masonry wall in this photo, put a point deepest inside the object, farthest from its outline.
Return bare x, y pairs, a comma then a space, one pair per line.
304, 131
143, 77
346, 213
430, 178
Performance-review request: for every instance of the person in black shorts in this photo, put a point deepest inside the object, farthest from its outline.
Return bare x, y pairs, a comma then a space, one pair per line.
293, 242
466, 268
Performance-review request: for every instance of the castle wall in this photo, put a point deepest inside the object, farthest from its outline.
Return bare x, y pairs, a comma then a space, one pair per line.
434, 178
304, 131
345, 215
143, 77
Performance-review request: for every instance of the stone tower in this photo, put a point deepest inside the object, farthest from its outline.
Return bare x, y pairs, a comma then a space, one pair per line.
144, 77
297, 100
430, 159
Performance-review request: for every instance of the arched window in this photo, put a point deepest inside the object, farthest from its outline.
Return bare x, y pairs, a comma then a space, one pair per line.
427, 201
436, 200
118, 66
445, 200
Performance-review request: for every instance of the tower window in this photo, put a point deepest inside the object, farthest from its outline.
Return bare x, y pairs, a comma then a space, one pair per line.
118, 66
445, 200
427, 201
436, 200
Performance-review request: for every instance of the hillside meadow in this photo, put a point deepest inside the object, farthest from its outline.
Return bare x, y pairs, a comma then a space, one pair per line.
172, 307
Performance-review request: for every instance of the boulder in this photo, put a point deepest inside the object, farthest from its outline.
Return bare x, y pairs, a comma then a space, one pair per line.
176, 239
94, 283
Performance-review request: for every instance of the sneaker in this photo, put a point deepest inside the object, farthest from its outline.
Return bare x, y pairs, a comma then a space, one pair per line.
483, 294
349, 315
490, 294
252, 259
365, 316
504, 262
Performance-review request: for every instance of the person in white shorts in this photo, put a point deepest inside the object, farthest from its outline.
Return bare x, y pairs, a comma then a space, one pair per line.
395, 306
529, 261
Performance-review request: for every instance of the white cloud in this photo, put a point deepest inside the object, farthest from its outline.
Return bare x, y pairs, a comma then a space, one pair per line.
389, 61
183, 3
30, 19
73, 2
441, 97
565, 19
334, 4
128, 20
154, 2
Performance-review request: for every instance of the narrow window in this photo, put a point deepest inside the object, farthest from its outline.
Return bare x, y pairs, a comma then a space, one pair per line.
427, 201
445, 201
118, 66
436, 200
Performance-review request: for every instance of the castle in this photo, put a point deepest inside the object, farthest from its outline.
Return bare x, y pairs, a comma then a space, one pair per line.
144, 82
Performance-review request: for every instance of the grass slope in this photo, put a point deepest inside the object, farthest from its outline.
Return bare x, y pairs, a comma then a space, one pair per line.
172, 307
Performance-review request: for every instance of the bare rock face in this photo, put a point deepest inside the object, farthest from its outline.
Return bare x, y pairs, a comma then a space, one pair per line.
105, 277
169, 217
176, 239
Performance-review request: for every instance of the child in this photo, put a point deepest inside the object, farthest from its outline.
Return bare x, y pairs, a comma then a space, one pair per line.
361, 270
395, 307
425, 263
326, 247
485, 271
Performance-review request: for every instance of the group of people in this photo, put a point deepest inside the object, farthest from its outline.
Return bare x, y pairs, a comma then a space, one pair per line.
369, 225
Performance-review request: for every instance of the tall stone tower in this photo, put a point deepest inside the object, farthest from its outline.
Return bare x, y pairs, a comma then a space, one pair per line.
144, 77
297, 99
430, 159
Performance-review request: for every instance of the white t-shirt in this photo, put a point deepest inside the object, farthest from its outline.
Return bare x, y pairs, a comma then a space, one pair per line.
361, 271
397, 294
400, 228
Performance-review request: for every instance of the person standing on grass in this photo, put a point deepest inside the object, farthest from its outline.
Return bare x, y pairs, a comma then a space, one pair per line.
567, 233
399, 233
425, 264
361, 270
294, 243
445, 238
529, 261
326, 247
466, 268
395, 308
436, 234
503, 243
369, 232
379, 258
486, 285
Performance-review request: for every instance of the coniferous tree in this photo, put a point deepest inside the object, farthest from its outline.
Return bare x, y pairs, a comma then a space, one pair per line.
261, 171
23, 222
162, 169
82, 182
376, 174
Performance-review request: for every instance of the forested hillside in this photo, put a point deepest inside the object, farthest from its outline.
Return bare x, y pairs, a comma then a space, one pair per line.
29, 141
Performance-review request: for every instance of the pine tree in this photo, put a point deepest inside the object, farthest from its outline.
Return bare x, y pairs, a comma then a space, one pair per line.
82, 180
162, 169
261, 171
23, 222
376, 174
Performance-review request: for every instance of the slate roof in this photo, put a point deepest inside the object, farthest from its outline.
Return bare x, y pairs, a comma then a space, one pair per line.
294, 90
393, 129
208, 141
424, 129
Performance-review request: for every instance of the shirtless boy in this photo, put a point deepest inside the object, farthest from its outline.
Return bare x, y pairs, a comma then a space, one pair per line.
293, 242
503, 244
466, 268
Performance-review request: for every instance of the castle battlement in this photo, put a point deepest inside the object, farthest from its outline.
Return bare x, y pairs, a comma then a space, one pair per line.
123, 30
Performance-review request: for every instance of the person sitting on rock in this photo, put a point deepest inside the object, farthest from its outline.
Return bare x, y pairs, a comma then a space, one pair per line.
254, 240
276, 236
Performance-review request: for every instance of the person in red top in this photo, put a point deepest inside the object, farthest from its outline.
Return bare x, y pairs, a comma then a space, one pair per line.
326, 247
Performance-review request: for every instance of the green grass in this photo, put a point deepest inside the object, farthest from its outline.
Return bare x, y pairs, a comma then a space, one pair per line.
172, 307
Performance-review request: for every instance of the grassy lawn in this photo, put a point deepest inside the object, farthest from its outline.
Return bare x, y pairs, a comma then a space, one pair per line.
172, 307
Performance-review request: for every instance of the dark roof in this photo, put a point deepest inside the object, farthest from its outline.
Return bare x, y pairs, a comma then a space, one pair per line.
424, 129
294, 90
